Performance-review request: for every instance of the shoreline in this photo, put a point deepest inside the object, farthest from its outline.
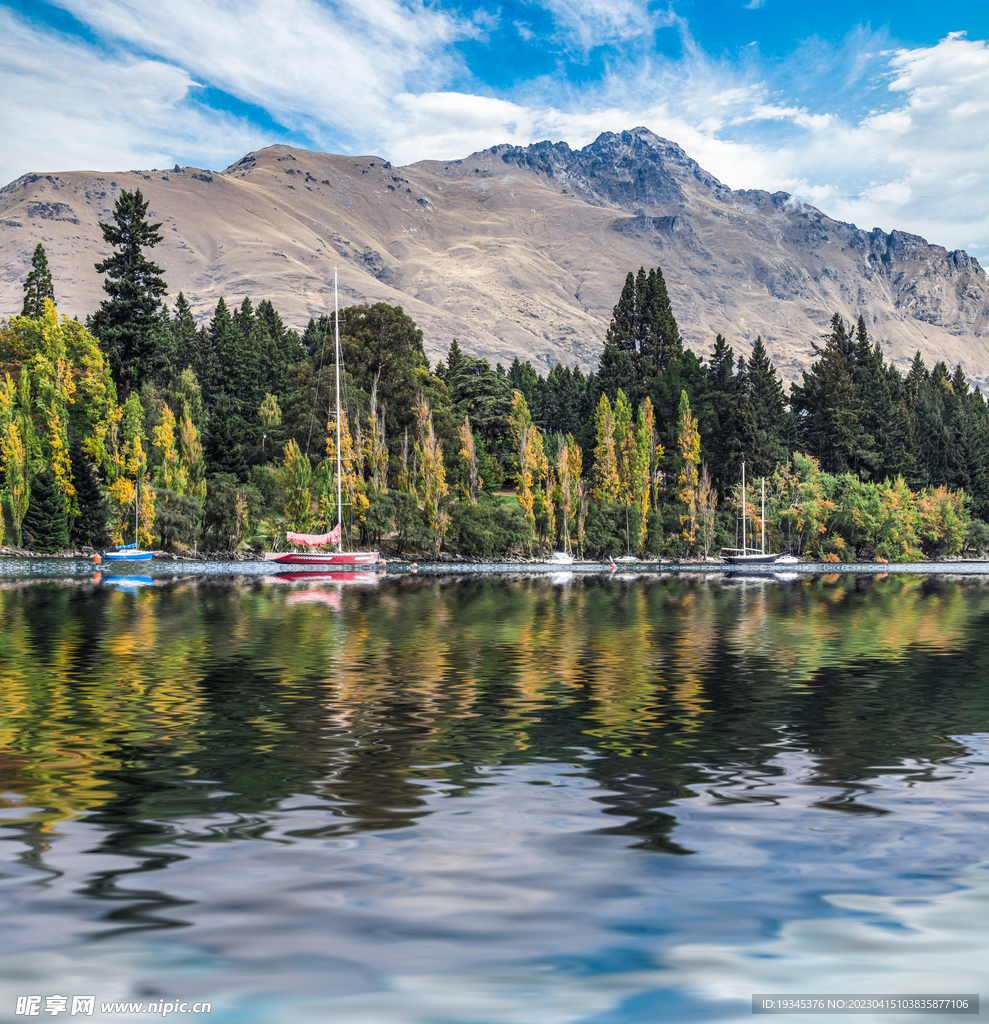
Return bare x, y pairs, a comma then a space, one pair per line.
22, 566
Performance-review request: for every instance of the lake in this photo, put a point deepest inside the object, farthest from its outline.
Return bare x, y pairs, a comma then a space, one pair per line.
485, 800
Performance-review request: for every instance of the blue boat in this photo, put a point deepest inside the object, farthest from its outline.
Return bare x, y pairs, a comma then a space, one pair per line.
127, 553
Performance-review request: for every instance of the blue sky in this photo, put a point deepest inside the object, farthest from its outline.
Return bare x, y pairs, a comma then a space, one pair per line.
876, 113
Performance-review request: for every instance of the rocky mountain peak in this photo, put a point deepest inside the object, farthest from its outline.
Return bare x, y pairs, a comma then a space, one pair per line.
633, 170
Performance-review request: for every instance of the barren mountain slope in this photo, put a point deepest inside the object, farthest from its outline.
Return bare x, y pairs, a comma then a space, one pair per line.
515, 251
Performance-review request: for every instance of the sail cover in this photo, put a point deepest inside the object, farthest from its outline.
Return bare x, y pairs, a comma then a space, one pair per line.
315, 540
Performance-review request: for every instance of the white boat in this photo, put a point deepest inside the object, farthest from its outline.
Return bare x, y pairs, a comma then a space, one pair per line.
322, 559
561, 558
745, 556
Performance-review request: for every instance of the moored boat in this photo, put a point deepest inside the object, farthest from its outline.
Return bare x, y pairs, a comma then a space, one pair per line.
745, 555
127, 553
130, 552
313, 540
320, 558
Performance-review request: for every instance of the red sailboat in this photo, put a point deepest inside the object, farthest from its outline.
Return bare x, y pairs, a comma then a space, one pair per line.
319, 540
321, 558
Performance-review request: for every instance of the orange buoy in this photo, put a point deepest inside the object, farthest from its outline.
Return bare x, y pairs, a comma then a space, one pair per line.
97, 559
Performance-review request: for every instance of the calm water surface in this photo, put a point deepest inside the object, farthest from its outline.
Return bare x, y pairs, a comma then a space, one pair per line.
482, 801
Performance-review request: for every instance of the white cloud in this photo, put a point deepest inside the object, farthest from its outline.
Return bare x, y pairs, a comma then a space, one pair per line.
310, 65
67, 108
593, 23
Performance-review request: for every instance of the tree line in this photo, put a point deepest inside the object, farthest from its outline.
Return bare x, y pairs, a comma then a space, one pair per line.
225, 433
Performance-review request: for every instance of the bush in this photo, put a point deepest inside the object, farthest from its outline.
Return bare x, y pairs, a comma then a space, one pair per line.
229, 513
487, 529
977, 537
604, 531
265, 482
411, 525
177, 518
379, 517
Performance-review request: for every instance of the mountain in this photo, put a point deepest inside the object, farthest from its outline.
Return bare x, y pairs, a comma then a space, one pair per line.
513, 250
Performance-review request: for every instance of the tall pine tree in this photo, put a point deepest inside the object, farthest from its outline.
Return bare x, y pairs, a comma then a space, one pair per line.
38, 285
643, 338
827, 408
130, 323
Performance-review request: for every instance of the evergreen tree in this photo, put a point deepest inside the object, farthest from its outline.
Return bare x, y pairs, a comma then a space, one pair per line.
185, 337
478, 392
917, 375
742, 435
618, 370
224, 442
247, 370
524, 378
453, 357
564, 406
720, 382
45, 524
38, 285
828, 411
381, 342
643, 338
660, 340
315, 335
89, 523
218, 348
129, 323
773, 437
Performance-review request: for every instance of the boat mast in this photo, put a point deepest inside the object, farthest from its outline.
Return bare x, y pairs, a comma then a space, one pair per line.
744, 548
763, 515
336, 354
137, 510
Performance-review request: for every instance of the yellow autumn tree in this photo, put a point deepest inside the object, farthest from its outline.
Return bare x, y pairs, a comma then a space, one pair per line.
468, 456
296, 482
606, 481
270, 413
406, 475
648, 454
688, 461
568, 467
13, 458
635, 447
66, 374
707, 507
193, 463
129, 464
351, 476
530, 457
431, 483
377, 451
172, 475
